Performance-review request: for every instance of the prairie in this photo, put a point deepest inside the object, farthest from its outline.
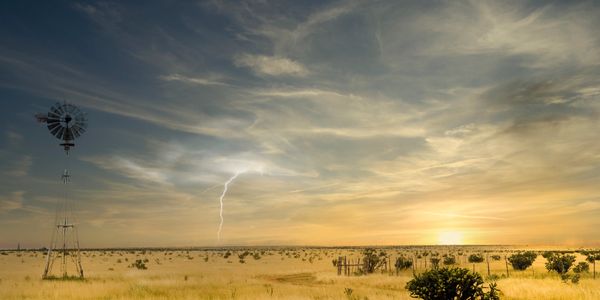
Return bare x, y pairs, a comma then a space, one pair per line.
265, 273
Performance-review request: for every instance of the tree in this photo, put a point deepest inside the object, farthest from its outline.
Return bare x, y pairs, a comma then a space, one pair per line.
522, 260
450, 283
561, 263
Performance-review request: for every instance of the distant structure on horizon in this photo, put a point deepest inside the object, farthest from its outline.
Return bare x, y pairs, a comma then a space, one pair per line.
66, 122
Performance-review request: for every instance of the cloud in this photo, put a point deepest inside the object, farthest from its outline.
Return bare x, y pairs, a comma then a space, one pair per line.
130, 168
376, 112
11, 201
211, 80
20, 167
14, 138
270, 65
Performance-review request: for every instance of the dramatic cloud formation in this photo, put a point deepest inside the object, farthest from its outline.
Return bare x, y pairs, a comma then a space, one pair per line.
359, 122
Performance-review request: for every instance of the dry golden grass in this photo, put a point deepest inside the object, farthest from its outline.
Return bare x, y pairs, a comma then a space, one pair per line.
186, 275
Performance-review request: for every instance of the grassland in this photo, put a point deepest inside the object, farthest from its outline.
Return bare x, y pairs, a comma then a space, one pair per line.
267, 273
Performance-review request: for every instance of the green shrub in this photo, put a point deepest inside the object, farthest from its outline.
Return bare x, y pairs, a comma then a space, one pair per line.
591, 257
450, 283
582, 267
561, 263
495, 257
435, 262
548, 254
403, 263
522, 260
476, 258
372, 261
139, 264
449, 260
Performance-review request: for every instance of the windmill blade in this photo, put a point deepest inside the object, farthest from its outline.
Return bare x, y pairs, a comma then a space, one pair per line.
52, 114
62, 132
80, 124
77, 130
52, 126
80, 131
55, 131
57, 109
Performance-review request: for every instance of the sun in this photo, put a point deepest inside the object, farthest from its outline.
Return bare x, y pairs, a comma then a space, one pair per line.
450, 238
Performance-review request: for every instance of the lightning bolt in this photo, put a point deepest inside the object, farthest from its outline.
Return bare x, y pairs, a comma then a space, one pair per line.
225, 186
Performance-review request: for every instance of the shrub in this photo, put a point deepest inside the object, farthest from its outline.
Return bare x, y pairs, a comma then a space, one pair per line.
575, 279
548, 254
495, 257
449, 260
522, 260
561, 263
435, 262
403, 263
371, 260
591, 257
450, 283
476, 258
582, 267
139, 264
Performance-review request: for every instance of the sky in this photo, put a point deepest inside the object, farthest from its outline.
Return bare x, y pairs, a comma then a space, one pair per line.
347, 122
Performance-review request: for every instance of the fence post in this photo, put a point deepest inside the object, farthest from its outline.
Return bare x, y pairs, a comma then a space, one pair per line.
345, 266
506, 262
487, 259
339, 265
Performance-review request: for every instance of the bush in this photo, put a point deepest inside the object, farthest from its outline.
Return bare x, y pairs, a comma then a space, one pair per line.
561, 263
403, 263
139, 264
591, 257
495, 257
575, 279
435, 262
522, 260
476, 258
582, 267
372, 261
449, 260
450, 283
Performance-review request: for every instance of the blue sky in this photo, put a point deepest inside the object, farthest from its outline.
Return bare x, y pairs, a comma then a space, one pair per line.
353, 122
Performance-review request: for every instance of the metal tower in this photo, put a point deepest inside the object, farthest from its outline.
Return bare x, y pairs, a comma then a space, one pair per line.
66, 122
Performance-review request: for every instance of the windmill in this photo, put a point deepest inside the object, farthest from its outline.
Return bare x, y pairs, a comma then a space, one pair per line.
66, 122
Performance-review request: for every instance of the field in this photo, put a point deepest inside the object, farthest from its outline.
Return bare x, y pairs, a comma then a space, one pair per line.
266, 273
